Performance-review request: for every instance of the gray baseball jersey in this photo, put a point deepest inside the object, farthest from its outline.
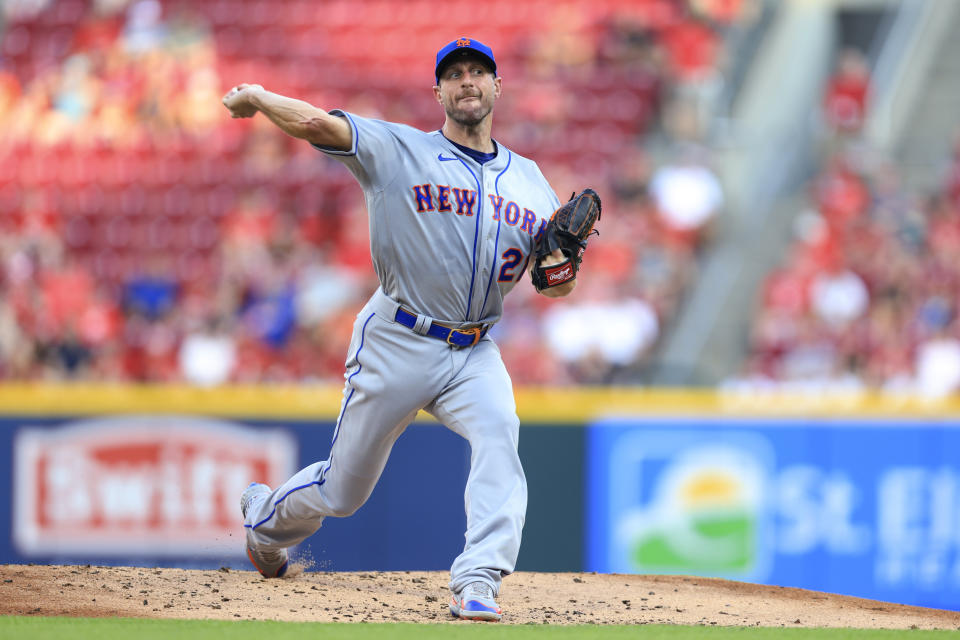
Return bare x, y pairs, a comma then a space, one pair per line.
449, 237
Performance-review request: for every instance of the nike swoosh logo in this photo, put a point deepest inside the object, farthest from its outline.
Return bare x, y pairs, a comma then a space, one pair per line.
442, 159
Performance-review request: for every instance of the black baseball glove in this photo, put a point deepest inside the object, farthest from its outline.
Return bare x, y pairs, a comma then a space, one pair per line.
568, 230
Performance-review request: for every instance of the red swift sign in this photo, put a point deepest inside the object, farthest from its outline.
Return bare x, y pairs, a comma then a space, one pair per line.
156, 485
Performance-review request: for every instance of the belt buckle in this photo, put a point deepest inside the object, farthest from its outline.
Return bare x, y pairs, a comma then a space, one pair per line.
476, 331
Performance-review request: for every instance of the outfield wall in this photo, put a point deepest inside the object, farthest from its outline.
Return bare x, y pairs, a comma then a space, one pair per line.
848, 494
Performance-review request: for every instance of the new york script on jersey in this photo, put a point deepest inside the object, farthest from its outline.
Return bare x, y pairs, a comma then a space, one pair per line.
443, 198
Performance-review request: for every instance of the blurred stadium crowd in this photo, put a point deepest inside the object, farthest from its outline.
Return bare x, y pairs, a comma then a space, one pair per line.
866, 296
147, 237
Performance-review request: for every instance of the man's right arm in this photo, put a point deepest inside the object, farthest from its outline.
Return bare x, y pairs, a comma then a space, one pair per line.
295, 117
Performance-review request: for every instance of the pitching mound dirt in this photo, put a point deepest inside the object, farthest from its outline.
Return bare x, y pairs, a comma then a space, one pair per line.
527, 598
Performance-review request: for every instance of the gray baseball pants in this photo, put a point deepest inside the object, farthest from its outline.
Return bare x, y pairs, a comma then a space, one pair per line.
392, 373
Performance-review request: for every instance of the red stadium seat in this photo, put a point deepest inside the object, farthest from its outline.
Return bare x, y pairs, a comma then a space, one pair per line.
193, 265
114, 266
231, 43
266, 42
133, 200
220, 200
67, 13
16, 42
222, 13
263, 13
298, 15
203, 233
78, 232
116, 170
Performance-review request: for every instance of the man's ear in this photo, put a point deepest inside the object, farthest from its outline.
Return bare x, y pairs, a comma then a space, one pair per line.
497, 87
436, 93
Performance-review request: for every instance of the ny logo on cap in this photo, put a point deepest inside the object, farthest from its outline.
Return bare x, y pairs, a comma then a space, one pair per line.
463, 42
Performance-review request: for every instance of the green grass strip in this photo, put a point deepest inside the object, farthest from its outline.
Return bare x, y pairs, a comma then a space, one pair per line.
39, 628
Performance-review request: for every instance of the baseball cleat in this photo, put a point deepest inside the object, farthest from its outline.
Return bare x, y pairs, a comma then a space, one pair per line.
475, 602
271, 563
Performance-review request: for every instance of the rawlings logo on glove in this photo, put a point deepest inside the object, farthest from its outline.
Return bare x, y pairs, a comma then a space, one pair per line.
568, 230
559, 275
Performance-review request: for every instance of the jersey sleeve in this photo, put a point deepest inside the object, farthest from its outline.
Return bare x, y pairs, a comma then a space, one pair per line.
373, 156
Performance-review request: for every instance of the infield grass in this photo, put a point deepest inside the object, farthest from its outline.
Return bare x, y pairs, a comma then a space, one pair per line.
140, 629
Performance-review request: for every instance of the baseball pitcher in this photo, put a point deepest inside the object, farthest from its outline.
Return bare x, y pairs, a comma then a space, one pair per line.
456, 219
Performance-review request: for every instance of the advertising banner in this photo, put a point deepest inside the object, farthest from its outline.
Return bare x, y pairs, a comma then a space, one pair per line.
865, 508
163, 490
139, 485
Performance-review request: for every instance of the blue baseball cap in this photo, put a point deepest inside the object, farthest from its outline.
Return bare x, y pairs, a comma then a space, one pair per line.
464, 47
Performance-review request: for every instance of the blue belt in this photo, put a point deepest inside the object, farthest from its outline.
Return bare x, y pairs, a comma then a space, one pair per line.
455, 337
